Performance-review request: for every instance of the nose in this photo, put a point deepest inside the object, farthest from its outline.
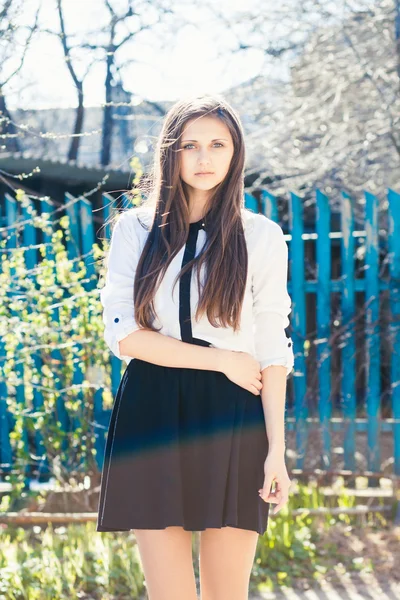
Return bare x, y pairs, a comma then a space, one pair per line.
203, 158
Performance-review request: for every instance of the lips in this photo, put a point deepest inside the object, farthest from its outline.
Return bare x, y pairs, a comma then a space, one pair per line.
204, 173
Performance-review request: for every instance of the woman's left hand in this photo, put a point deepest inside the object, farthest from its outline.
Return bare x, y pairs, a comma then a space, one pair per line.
275, 471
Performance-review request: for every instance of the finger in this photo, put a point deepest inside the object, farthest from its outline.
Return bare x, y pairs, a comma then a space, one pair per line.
274, 488
280, 505
282, 492
275, 496
266, 487
281, 487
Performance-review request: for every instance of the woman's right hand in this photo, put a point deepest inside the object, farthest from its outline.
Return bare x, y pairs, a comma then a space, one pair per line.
243, 369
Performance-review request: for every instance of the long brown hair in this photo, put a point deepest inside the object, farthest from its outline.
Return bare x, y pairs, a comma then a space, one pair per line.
225, 252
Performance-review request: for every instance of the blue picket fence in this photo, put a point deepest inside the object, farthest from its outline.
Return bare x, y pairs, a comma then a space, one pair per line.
350, 416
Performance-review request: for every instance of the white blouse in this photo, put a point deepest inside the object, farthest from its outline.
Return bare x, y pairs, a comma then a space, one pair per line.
266, 305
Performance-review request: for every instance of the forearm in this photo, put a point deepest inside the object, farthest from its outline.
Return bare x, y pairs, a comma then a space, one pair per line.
167, 351
273, 395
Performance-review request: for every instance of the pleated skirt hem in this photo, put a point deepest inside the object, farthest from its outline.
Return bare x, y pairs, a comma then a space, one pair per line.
186, 527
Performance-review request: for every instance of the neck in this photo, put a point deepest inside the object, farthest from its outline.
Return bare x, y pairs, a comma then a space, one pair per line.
197, 202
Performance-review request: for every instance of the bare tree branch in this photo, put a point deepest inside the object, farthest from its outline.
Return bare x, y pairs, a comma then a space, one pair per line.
80, 111
8, 34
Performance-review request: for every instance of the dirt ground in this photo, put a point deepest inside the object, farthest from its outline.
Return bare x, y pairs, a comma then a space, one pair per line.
350, 588
364, 564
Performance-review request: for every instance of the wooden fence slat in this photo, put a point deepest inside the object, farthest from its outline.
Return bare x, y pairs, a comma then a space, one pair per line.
11, 221
87, 240
372, 338
47, 214
5, 445
298, 320
250, 202
107, 203
269, 205
74, 252
31, 255
29, 234
13, 216
394, 270
323, 308
48, 210
74, 247
348, 343
126, 201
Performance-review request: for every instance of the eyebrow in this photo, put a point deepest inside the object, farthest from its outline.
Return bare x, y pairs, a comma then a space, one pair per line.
211, 140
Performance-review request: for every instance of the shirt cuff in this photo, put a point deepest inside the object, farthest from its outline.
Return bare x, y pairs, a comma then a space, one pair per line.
285, 361
118, 327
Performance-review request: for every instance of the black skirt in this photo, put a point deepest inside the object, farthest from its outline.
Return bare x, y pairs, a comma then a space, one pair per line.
184, 447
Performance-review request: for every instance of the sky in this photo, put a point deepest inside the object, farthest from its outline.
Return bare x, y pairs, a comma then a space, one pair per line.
186, 63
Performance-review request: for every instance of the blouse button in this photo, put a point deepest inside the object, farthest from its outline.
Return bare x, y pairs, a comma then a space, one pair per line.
116, 320
289, 344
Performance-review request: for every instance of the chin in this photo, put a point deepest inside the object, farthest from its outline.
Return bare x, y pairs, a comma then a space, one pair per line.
204, 185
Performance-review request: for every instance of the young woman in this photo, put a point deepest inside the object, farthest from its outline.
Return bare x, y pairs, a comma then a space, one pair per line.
195, 301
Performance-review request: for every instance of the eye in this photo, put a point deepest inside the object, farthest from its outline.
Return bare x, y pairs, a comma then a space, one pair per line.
187, 145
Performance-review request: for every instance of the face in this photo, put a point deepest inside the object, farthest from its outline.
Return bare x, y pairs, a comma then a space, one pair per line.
206, 145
